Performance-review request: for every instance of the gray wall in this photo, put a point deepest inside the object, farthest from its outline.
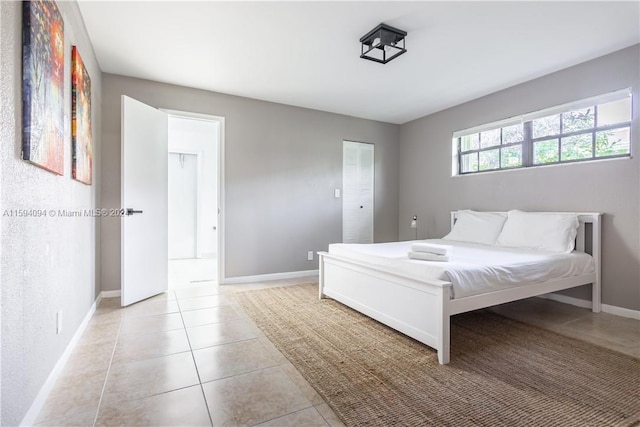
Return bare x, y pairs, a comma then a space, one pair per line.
47, 264
282, 165
612, 187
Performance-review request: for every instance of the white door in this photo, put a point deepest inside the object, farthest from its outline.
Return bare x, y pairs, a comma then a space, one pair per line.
183, 206
144, 197
357, 192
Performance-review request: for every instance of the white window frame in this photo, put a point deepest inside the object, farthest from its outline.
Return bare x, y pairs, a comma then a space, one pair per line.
527, 144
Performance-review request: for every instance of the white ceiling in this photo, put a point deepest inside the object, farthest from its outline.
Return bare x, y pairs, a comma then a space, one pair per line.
307, 53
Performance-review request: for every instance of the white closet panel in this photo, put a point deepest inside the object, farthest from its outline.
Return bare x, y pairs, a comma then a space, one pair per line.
357, 192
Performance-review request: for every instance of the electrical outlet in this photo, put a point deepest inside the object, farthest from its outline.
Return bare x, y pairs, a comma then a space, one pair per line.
310, 256
59, 322
414, 222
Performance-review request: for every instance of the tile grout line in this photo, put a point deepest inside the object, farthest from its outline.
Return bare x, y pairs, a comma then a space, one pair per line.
286, 415
193, 357
322, 415
106, 378
584, 316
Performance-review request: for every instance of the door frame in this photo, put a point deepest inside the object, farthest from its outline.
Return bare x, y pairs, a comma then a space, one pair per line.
198, 155
221, 183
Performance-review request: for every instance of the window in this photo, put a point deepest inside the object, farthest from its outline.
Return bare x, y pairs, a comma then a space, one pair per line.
589, 129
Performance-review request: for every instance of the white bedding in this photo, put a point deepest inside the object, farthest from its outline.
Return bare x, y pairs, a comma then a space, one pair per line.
473, 268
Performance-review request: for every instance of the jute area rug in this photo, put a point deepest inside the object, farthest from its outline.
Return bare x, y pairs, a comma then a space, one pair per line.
502, 372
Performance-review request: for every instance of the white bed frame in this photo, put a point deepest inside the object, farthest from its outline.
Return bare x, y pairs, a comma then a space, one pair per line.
422, 309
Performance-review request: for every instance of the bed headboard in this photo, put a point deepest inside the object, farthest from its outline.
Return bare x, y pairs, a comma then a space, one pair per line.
587, 237
587, 240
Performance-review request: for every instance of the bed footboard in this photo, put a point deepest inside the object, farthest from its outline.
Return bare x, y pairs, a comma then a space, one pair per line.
417, 309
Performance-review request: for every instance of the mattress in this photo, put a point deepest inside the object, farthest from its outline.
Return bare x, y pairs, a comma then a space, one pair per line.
473, 268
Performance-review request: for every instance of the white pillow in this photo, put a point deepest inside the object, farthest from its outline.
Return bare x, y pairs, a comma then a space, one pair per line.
546, 231
477, 227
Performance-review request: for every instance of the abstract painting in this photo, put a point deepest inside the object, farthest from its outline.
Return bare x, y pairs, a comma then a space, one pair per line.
81, 142
43, 85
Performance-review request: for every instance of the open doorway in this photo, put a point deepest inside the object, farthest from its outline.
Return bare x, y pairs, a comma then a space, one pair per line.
193, 199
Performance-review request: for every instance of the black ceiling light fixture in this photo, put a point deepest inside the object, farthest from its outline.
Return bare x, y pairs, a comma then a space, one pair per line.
382, 44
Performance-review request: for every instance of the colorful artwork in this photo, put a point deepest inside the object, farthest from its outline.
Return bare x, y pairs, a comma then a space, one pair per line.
43, 85
82, 145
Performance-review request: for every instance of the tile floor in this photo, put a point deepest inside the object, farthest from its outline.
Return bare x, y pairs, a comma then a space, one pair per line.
186, 271
191, 357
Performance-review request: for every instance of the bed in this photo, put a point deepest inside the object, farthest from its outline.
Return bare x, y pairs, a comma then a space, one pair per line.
418, 297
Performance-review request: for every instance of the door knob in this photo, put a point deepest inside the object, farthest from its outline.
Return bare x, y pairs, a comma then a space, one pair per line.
131, 211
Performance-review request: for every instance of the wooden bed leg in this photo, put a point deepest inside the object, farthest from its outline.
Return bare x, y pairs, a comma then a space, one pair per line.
443, 356
596, 287
320, 276
596, 304
445, 328
443, 351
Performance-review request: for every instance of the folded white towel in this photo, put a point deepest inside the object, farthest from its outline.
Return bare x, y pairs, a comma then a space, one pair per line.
426, 256
431, 248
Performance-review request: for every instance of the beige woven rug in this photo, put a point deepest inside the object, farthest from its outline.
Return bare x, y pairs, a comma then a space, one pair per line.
502, 372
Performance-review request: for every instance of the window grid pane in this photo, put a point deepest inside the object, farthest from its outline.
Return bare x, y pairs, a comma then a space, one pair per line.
469, 163
490, 138
613, 142
546, 126
470, 142
546, 151
576, 147
578, 120
512, 134
511, 157
489, 159
614, 112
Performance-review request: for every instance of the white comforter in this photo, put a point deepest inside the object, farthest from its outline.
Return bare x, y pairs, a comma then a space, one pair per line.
473, 268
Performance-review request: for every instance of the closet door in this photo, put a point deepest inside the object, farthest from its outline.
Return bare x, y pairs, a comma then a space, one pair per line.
357, 192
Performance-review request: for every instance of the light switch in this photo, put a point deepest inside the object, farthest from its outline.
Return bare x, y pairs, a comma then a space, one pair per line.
336, 193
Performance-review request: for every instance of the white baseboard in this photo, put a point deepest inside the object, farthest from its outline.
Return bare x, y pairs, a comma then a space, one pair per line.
567, 300
611, 309
37, 405
110, 294
267, 277
621, 311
